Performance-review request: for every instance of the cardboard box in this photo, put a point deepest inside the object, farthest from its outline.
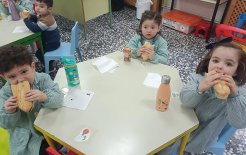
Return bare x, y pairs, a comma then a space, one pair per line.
181, 21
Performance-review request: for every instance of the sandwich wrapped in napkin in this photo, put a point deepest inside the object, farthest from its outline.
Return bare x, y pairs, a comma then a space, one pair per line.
222, 91
19, 91
145, 56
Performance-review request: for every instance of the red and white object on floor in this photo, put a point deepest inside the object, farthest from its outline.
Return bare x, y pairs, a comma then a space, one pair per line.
202, 29
181, 21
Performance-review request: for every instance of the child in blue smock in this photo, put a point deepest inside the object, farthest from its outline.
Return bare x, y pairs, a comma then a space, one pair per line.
149, 29
17, 65
225, 62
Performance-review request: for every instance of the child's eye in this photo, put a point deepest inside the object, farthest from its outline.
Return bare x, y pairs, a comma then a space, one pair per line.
229, 64
11, 77
215, 61
24, 71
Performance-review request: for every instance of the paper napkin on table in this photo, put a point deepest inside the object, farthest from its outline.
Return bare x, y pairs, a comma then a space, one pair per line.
105, 64
77, 99
20, 29
152, 80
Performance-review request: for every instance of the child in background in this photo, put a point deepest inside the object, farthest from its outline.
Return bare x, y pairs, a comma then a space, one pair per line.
21, 5
148, 30
45, 23
225, 62
16, 65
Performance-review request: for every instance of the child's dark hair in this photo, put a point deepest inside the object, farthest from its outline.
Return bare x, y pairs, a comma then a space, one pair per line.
49, 3
240, 77
12, 56
149, 15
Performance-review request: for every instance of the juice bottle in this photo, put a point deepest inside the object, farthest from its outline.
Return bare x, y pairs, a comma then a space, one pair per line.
163, 94
71, 71
127, 54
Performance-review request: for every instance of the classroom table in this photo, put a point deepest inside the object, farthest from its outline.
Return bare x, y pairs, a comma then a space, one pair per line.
24, 38
121, 115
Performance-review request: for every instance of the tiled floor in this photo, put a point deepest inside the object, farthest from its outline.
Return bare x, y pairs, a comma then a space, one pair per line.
185, 51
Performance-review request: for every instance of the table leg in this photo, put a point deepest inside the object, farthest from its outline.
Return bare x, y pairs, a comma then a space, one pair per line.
212, 20
110, 13
40, 44
183, 143
49, 141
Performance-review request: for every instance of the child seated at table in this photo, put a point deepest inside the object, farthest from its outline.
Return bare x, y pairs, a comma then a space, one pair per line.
45, 23
149, 32
17, 65
225, 62
21, 5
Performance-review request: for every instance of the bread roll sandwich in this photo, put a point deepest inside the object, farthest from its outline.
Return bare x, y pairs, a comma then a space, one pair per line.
19, 91
221, 90
145, 56
24, 14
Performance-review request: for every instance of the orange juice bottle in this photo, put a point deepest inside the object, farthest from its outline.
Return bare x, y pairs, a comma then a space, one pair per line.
163, 94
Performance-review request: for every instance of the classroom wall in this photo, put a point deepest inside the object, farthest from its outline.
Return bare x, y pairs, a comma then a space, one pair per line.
199, 8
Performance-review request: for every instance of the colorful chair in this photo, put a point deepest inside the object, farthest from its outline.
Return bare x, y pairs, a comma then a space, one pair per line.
4, 142
237, 34
241, 20
202, 29
51, 151
65, 50
218, 146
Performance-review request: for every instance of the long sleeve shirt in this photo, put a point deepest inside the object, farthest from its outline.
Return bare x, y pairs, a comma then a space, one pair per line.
50, 34
213, 114
24, 139
160, 48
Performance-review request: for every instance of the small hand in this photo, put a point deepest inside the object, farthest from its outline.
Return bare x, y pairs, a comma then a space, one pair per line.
140, 51
151, 53
24, 14
47, 20
229, 81
35, 95
10, 104
5, 3
211, 78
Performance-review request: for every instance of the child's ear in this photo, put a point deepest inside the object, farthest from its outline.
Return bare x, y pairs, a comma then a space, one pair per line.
50, 9
33, 65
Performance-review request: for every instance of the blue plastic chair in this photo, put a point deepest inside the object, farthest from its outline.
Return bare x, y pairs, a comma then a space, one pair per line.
66, 49
218, 146
241, 20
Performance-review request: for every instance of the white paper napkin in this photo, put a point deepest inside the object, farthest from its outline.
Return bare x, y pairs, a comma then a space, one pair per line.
152, 80
20, 29
105, 64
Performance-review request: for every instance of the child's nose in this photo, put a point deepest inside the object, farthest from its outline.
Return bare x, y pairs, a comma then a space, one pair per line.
219, 67
21, 79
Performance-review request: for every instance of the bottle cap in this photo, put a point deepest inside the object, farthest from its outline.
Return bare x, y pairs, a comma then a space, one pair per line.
165, 79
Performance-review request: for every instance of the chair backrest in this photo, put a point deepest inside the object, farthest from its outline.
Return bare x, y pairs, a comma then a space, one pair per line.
227, 132
74, 38
241, 20
231, 31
